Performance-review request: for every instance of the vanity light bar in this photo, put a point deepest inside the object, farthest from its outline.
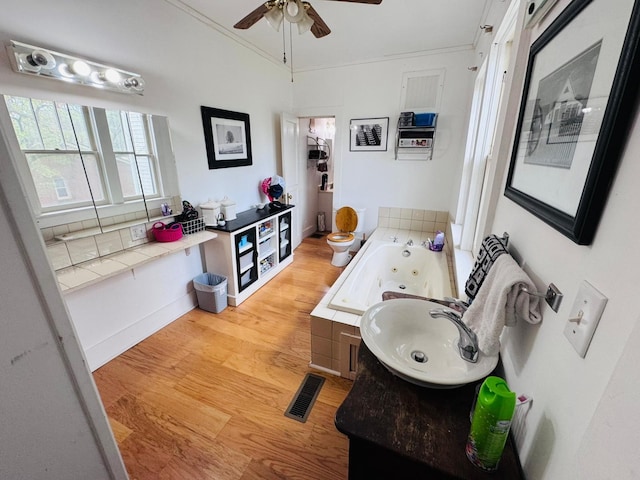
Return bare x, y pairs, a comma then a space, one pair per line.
43, 62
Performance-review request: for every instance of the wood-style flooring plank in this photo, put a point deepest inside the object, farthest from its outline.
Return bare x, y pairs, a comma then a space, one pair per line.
204, 398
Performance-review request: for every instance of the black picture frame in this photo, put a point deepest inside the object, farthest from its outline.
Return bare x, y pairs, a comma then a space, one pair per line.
565, 154
227, 136
369, 134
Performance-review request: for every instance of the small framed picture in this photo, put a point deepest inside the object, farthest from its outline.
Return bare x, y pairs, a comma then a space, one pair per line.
369, 134
227, 136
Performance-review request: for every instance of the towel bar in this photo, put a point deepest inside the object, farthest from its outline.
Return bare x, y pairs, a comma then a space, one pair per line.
553, 296
504, 239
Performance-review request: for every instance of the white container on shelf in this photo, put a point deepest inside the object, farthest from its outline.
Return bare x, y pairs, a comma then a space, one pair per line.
246, 261
244, 279
266, 246
210, 212
228, 208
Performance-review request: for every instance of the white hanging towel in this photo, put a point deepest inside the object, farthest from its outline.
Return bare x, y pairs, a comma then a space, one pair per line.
500, 301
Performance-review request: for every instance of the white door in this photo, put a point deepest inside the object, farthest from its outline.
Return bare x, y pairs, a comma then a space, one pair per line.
291, 172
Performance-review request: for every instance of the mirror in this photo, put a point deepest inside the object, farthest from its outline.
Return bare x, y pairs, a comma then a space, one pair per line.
93, 168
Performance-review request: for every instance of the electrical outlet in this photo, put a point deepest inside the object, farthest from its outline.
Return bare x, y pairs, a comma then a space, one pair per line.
138, 232
585, 315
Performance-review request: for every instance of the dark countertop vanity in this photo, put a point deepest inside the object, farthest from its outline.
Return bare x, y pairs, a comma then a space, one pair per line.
248, 217
397, 429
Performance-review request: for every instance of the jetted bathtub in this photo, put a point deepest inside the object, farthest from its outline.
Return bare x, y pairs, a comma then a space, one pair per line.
394, 267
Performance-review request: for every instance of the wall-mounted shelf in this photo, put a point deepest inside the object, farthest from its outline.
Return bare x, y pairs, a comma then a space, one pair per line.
415, 142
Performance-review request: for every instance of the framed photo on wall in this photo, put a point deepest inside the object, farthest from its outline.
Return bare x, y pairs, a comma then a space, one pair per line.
227, 136
577, 105
369, 134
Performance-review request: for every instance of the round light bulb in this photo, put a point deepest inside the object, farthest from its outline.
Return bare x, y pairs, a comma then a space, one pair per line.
63, 69
293, 11
111, 75
81, 68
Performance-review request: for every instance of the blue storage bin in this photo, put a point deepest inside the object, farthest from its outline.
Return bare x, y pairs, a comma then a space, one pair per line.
424, 119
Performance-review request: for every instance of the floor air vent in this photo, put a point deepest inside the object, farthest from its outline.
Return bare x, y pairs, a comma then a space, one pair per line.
302, 402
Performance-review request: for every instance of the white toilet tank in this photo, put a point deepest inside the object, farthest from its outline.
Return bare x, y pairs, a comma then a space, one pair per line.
359, 212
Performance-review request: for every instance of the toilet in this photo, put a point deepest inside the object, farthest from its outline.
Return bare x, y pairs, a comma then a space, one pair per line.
347, 222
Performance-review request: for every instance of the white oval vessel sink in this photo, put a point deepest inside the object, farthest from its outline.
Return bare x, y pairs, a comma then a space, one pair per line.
418, 347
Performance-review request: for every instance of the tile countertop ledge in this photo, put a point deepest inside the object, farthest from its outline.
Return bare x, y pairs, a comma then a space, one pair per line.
89, 273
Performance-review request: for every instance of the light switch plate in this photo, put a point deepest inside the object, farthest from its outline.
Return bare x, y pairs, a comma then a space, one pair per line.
588, 308
138, 232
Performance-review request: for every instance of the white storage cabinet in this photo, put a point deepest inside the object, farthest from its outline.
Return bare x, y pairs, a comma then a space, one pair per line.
250, 251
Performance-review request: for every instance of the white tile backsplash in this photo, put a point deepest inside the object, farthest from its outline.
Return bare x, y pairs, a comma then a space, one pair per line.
109, 243
59, 255
60, 230
82, 250
75, 226
47, 234
90, 223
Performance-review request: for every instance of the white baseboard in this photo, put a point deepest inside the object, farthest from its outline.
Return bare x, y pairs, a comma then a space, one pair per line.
120, 342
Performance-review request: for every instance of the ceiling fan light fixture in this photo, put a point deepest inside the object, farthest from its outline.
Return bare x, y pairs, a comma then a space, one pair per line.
293, 11
305, 24
274, 16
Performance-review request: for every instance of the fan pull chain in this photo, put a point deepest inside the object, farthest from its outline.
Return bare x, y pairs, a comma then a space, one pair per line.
291, 52
284, 49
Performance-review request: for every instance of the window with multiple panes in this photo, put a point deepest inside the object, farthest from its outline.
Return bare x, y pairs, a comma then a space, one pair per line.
59, 147
77, 156
130, 139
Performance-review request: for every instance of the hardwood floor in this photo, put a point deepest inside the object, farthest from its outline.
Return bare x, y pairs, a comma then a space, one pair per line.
204, 398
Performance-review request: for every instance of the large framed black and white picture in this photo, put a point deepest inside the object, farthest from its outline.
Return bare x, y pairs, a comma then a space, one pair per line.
577, 103
227, 136
369, 134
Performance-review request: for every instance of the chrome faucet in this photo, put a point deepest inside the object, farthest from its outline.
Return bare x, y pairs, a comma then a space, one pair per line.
393, 238
409, 243
468, 342
457, 304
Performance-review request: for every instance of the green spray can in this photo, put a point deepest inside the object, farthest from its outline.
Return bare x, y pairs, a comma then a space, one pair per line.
492, 417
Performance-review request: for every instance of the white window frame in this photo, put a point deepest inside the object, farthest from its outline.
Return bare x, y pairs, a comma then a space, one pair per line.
479, 169
163, 164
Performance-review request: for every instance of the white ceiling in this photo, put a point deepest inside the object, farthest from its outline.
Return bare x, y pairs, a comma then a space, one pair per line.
359, 32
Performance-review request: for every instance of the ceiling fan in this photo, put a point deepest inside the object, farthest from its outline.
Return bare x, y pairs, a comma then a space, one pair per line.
295, 11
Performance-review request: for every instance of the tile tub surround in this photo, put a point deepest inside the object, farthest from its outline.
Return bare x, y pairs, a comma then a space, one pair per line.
90, 272
417, 220
327, 324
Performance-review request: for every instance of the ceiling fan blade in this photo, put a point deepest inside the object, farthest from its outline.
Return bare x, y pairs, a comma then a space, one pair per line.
254, 16
372, 2
319, 28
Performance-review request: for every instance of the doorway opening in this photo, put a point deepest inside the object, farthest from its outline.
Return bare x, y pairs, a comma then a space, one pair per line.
317, 154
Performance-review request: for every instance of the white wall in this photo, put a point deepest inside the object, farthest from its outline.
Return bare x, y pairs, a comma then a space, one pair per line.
133, 304
571, 393
375, 179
